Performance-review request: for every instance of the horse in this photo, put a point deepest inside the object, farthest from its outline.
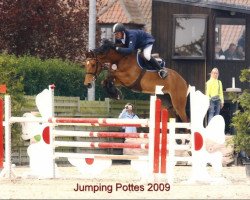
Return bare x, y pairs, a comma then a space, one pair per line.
124, 71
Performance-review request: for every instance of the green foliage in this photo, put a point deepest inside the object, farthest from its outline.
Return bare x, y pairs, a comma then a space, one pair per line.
241, 118
14, 83
38, 74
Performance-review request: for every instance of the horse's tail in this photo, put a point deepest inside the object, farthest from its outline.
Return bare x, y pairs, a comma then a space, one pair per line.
188, 102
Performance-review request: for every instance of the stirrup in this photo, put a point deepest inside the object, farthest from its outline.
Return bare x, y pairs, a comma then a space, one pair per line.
162, 73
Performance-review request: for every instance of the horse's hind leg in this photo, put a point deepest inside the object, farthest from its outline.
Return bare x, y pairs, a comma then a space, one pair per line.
179, 104
167, 103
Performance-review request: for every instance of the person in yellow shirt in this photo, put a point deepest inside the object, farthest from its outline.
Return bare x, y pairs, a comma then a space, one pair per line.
214, 91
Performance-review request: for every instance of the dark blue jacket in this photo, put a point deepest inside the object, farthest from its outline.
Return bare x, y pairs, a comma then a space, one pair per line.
135, 39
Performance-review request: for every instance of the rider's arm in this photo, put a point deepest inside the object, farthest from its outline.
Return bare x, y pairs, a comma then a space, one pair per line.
130, 48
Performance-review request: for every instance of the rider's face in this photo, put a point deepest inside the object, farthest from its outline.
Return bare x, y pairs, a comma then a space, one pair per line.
119, 35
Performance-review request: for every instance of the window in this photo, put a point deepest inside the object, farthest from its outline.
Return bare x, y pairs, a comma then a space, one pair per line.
230, 39
189, 36
106, 33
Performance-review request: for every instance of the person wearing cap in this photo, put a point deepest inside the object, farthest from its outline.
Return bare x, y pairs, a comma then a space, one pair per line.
127, 113
214, 91
137, 39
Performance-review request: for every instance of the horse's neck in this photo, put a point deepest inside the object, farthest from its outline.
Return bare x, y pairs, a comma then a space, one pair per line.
129, 63
126, 64
115, 57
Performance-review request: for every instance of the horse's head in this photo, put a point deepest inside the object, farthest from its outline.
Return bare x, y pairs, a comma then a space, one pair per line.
97, 59
93, 67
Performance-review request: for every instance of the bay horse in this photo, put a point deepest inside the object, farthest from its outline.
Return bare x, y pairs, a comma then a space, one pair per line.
125, 71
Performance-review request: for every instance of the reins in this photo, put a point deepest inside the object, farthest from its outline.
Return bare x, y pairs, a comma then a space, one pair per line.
97, 61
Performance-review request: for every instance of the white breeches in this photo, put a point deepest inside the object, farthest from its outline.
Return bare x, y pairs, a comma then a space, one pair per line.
147, 52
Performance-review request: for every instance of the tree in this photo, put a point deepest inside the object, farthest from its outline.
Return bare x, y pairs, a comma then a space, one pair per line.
241, 119
44, 28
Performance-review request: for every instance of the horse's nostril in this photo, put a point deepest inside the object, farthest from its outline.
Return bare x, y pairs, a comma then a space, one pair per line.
89, 85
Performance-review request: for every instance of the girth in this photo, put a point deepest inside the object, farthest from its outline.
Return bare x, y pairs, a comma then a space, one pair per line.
136, 85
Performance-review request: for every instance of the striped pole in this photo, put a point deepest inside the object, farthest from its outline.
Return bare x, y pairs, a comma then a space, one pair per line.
100, 122
100, 156
100, 145
99, 134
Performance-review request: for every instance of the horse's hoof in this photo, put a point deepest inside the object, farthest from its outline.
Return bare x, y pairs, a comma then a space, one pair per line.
178, 141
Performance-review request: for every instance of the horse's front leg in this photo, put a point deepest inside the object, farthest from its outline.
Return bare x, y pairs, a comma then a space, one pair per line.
109, 85
117, 82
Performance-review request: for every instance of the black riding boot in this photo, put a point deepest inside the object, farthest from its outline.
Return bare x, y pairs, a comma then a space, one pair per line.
161, 71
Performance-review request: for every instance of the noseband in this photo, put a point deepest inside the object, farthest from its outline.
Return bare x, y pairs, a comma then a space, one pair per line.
94, 74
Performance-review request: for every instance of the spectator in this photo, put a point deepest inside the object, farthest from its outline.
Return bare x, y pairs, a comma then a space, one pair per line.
239, 53
241, 41
230, 52
127, 113
218, 52
214, 91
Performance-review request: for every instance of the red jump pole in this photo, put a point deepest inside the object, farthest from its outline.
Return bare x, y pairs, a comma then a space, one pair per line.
1, 133
2, 91
164, 120
157, 135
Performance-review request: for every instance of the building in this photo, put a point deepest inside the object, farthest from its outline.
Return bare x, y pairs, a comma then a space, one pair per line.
134, 14
193, 36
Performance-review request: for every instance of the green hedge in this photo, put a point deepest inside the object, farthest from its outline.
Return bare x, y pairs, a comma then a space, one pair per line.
38, 74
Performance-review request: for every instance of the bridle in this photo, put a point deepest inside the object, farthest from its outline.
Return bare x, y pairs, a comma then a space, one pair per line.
97, 61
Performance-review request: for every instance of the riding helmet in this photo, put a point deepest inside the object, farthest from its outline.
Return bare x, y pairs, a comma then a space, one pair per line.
118, 27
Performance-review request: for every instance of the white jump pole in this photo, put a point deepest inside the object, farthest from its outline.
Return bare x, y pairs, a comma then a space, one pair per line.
7, 170
151, 133
51, 129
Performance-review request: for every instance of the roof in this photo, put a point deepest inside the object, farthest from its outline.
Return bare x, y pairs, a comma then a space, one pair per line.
230, 34
242, 6
125, 11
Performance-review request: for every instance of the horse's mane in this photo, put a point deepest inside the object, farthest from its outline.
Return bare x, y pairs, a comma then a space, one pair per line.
106, 46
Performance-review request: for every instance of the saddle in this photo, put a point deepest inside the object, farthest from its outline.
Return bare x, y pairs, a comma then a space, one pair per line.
146, 65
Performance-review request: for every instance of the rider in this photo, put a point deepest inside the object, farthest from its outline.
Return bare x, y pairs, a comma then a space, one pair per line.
137, 39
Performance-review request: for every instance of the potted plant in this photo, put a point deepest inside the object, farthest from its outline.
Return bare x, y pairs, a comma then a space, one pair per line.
241, 122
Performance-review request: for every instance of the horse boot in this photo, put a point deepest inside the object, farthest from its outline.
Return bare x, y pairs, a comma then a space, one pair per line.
162, 71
